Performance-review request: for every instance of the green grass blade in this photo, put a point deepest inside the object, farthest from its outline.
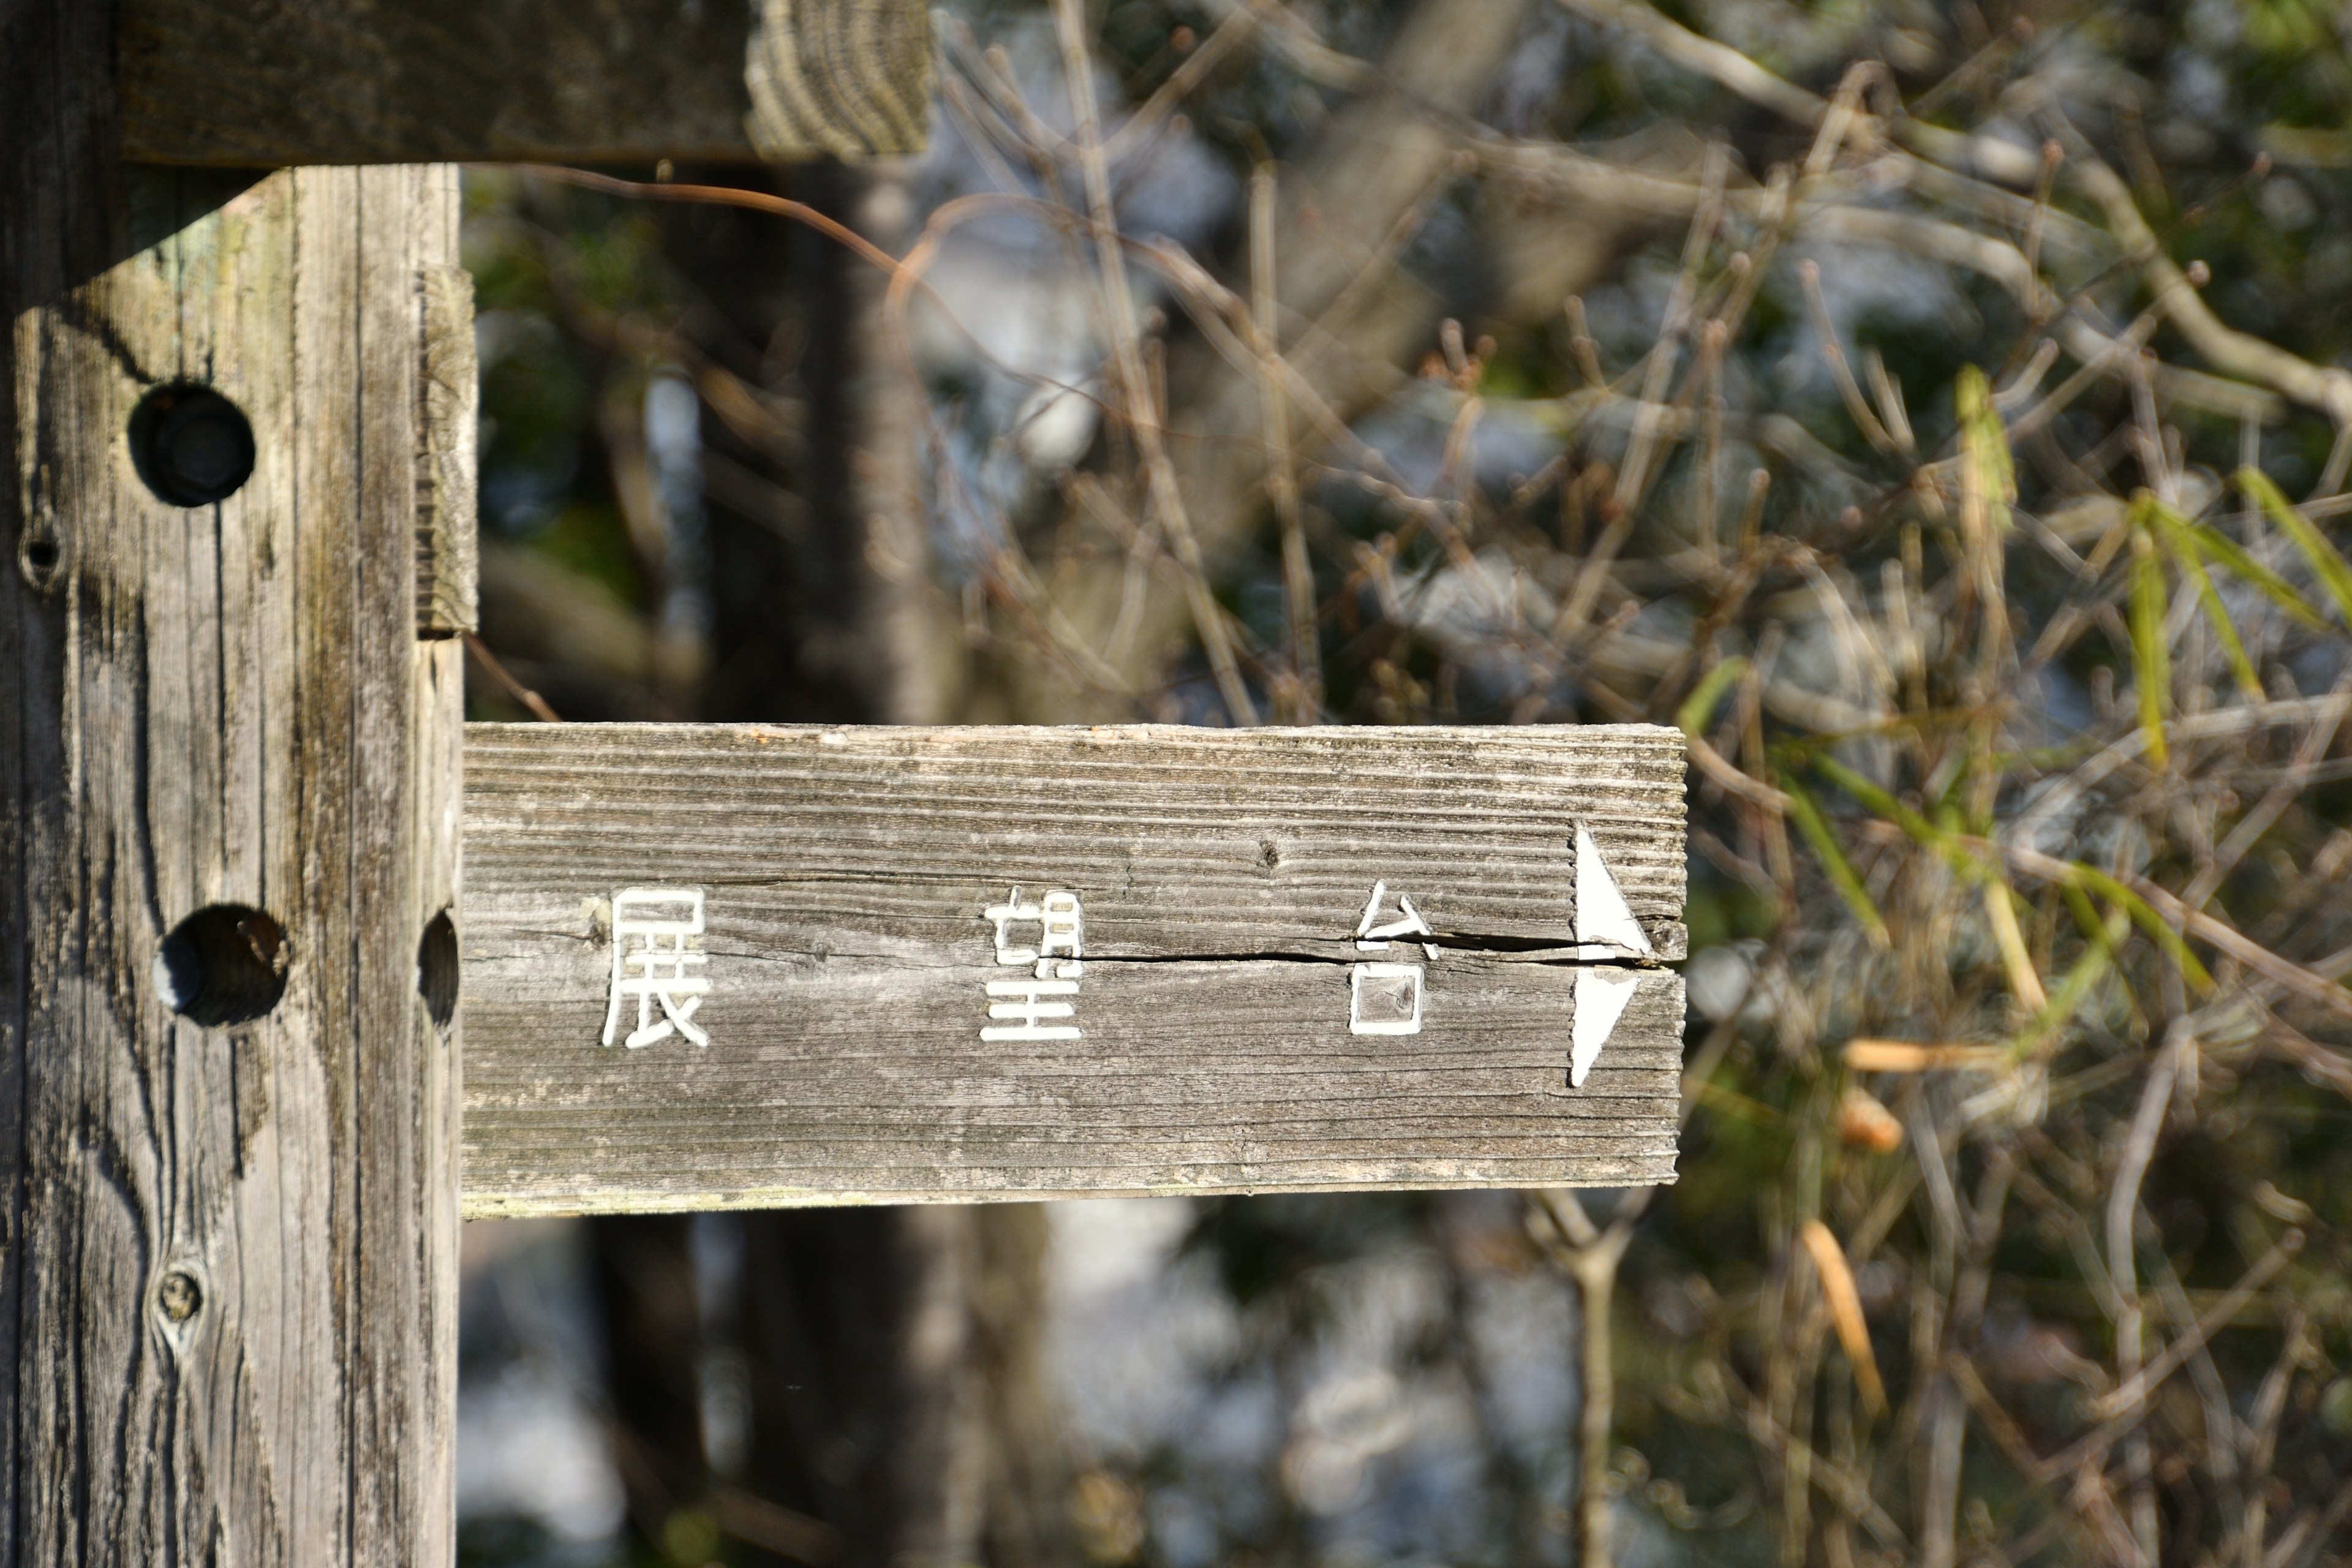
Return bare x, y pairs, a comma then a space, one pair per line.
2086, 915
2151, 658
1984, 446
1807, 815
1884, 804
2220, 547
2145, 917
1698, 710
2064, 1002
2326, 563
2183, 550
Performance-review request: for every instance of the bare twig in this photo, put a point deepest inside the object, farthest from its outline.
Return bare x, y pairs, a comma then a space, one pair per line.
533, 702
1143, 413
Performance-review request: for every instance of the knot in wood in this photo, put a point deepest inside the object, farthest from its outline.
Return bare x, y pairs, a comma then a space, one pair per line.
179, 1297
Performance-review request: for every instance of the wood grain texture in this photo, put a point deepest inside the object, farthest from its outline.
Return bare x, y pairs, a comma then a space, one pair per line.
231, 1271
1222, 876
850, 77
448, 406
262, 83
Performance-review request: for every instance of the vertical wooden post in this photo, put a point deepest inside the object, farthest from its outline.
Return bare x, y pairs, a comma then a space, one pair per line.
228, 776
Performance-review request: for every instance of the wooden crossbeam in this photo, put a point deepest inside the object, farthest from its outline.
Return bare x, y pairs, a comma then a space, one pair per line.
267, 83
972, 964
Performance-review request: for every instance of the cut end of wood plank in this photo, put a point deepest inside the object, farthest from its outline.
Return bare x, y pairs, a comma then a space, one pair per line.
448, 402
851, 78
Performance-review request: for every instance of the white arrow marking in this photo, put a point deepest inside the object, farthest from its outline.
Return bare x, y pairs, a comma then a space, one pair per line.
1605, 926
1601, 999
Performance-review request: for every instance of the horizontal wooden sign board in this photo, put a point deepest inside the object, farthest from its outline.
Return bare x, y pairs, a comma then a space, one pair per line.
747, 966
267, 83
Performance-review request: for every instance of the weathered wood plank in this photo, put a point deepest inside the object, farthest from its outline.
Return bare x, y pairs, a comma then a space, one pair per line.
266, 83
231, 1271
1222, 878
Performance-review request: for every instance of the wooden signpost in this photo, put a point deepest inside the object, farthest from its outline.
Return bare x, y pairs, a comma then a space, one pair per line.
684, 967
1004, 963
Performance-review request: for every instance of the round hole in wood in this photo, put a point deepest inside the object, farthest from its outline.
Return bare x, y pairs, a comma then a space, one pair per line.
223, 965
191, 445
436, 969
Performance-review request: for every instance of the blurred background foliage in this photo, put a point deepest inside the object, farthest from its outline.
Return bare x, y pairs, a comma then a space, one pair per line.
1831, 379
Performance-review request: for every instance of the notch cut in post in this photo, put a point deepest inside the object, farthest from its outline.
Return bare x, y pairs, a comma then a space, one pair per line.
963, 965
448, 406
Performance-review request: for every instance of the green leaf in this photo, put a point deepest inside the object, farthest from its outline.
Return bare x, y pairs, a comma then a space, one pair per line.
1842, 874
2151, 658
2326, 563
1698, 710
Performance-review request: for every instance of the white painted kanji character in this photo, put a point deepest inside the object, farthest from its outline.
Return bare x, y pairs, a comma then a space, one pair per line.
1386, 998
656, 938
1058, 963
1024, 1000
1065, 931
1001, 916
1372, 938
1061, 929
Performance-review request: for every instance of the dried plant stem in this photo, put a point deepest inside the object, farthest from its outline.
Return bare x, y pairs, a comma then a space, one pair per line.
2339, 459
1633, 477
1282, 481
2227, 349
1840, 372
533, 702
1591, 1256
1143, 127
1712, 338
1142, 412
2200, 1329
2123, 1211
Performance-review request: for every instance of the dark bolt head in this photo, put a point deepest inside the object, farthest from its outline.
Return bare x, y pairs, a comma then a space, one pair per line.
191, 445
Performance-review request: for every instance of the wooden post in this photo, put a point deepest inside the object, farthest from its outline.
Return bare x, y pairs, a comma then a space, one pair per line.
228, 773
